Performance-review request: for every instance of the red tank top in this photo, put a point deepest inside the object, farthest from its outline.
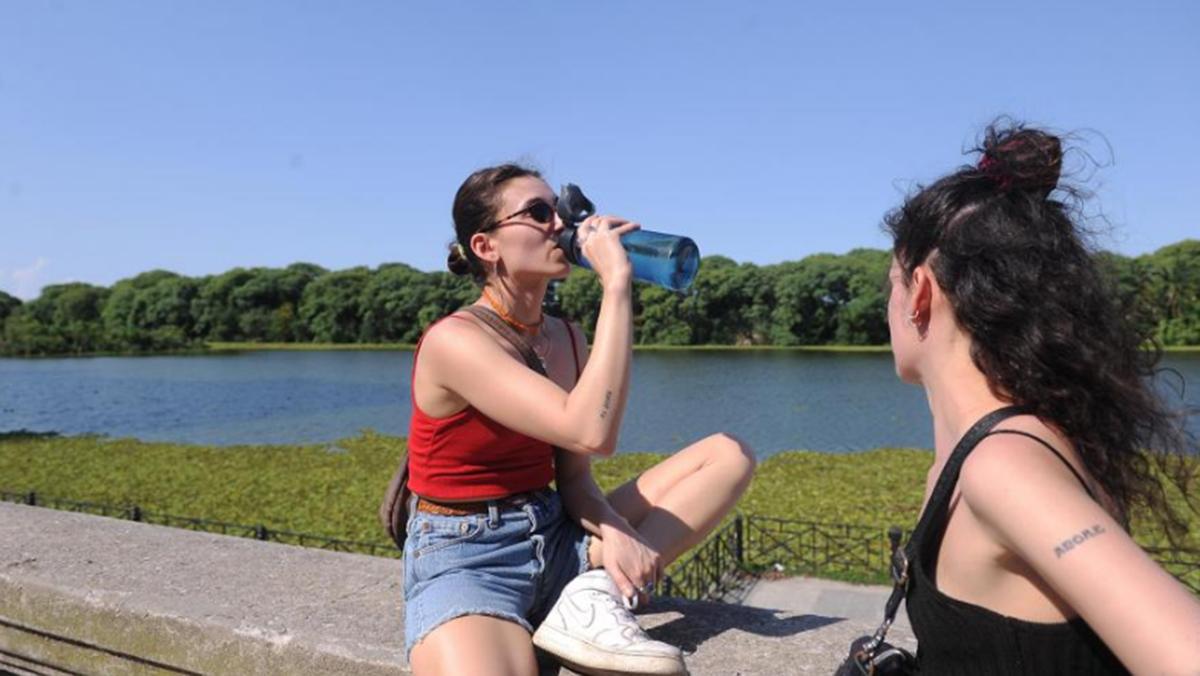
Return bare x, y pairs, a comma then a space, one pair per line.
469, 456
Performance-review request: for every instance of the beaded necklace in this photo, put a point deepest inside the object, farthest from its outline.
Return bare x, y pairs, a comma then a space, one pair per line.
541, 346
508, 318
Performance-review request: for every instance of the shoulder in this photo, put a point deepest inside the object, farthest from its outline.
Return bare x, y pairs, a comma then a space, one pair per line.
1010, 476
571, 333
452, 336
574, 330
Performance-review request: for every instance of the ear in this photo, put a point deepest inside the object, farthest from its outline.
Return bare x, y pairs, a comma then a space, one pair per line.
483, 248
921, 292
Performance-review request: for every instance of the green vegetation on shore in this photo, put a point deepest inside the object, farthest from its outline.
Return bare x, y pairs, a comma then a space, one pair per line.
821, 300
334, 489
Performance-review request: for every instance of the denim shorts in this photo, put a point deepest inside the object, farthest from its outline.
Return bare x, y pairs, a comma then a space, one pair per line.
511, 562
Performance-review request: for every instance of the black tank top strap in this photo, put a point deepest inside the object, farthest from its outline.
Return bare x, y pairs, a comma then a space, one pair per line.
956, 637
1053, 450
934, 515
574, 350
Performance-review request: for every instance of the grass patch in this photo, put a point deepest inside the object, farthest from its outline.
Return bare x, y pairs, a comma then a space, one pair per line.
334, 489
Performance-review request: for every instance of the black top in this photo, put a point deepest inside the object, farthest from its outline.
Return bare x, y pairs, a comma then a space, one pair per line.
956, 637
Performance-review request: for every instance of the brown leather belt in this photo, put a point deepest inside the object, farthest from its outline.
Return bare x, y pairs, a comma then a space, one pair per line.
475, 507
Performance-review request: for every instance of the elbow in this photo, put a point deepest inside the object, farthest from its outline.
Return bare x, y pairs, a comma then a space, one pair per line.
605, 450
602, 446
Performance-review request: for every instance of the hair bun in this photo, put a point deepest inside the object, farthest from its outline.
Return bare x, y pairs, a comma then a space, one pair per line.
457, 262
1022, 159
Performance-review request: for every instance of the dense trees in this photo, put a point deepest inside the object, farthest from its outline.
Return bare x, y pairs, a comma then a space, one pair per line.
822, 299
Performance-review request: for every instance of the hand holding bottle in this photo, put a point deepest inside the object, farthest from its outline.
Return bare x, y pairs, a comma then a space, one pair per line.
600, 241
671, 261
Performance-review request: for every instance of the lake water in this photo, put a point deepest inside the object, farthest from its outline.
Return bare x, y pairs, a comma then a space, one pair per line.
776, 400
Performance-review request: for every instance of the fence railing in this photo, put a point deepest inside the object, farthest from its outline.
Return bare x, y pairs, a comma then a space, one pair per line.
749, 546
811, 547
715, 570
722, 568
255, 531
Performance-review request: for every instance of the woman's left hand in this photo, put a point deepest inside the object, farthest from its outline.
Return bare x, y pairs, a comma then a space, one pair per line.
633, 564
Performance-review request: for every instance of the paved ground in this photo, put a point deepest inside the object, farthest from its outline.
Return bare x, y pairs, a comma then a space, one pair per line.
825, 598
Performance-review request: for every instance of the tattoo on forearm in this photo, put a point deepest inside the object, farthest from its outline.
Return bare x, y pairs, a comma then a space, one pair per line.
607, 404
1078, 539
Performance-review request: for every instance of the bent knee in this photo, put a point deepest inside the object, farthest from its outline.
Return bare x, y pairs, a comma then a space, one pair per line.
735, 451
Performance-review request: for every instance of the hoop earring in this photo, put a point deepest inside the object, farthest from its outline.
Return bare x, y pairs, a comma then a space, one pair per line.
911, 318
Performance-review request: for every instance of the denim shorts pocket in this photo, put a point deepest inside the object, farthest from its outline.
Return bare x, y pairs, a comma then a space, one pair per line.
433, 533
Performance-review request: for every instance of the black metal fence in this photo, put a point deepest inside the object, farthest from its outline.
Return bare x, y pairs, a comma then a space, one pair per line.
722, 568
810, 547
255, 531
749, 547
715, 570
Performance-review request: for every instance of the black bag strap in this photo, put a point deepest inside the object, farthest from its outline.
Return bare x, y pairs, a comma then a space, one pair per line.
510, 334
944, 487
942, 491
489, 317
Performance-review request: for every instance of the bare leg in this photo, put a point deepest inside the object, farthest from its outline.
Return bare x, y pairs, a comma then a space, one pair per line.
677, 503
673, 505
475, 644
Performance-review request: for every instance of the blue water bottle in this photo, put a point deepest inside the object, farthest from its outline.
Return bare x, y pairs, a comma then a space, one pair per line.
670, 261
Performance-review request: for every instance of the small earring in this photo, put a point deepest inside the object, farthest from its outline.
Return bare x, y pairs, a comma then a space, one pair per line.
911, 318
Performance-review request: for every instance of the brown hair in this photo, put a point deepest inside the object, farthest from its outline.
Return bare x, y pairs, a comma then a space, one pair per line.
1047, 327
474, 209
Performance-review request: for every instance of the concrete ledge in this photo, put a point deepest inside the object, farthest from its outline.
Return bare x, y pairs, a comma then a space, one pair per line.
81, 593
136, 597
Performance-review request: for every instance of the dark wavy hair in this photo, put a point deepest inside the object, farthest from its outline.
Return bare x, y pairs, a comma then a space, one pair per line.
1048, 329
475, 206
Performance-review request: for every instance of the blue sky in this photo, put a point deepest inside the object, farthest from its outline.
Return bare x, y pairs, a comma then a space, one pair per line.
200, 136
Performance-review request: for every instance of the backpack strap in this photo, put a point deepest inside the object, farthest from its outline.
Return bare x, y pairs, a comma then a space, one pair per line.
510, 334
574, 349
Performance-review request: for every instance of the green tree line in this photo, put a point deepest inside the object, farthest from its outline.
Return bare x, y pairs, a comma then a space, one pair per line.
820, 300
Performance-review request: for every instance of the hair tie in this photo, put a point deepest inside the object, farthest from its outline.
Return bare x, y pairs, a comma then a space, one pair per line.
990, 166
460, 250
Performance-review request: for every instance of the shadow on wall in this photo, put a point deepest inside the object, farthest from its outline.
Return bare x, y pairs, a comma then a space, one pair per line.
693, 628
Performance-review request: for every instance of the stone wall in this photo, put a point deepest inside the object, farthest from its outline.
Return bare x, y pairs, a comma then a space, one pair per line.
88, 594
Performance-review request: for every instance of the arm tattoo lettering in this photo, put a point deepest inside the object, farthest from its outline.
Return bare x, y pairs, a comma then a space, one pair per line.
607, 404
1077, 539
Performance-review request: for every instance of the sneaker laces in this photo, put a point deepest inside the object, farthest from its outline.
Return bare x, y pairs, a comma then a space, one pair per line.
629, 624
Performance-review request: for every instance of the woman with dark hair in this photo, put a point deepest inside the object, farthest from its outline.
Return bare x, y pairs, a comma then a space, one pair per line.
997, 304
493, 552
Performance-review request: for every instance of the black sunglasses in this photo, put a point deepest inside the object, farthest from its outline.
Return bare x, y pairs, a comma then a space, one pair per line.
540, 211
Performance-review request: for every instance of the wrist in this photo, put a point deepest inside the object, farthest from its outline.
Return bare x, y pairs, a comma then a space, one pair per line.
617, 285
616, 526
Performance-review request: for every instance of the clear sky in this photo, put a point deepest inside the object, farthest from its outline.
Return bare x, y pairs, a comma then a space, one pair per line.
200, 136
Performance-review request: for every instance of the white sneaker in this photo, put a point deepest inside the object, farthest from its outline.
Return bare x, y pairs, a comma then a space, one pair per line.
591, 631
